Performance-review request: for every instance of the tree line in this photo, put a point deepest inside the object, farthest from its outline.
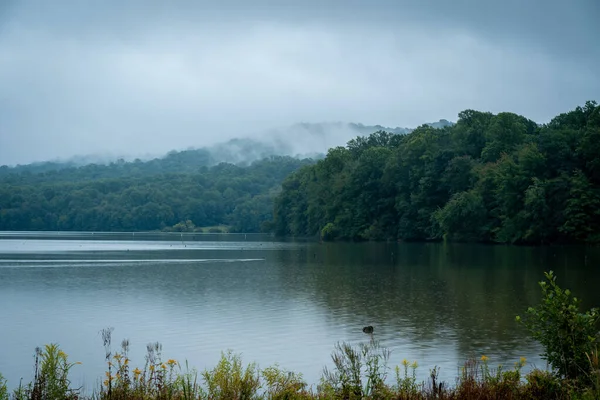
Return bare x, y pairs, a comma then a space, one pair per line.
139, 196
489, 178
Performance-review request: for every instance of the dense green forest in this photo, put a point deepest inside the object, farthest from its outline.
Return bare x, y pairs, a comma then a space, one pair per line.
235, 151
491, 178
176, 192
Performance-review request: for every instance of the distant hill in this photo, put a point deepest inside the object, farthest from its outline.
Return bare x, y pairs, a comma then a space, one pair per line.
302, 140
230, 185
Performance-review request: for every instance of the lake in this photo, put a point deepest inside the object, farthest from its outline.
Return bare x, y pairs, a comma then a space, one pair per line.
285, 302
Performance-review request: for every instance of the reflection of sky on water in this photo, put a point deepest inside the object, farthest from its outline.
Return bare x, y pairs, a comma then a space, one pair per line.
57, 245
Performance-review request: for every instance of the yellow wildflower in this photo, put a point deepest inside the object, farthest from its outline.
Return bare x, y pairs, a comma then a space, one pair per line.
136, 372
117, 356
106, 382
62, 354
405, 362
108, 374
152, 368
172, 362
163, 366
523, 360
126, 361
484, 358
414, 365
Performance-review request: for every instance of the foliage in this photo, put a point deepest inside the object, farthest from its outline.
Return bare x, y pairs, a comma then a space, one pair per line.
229, 379
158, 379
567, 334
359, 372
406, 382
141, 196
544, 385
594, 359
284, 385
328, 232
499, 178
3, 388
51, 380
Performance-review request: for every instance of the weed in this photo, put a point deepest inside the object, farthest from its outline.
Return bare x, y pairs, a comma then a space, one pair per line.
3, 388
284, 385
51, 380
406, 383
358, 372
230, 381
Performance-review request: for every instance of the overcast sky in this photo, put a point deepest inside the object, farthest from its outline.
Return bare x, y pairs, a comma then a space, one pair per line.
144, 76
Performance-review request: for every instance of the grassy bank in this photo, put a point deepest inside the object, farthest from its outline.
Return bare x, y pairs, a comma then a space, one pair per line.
359, 373
569, 338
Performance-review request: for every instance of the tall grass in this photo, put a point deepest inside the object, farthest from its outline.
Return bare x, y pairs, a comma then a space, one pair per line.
3, 388
51, 378
358, 372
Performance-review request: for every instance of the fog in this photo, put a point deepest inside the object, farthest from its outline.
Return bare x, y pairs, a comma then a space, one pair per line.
83, 77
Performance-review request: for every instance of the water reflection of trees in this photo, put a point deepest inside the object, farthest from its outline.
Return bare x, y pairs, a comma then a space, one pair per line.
465, 294
469, 294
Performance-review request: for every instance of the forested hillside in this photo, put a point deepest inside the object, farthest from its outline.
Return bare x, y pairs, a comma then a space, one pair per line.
234, 151
134, 196
499, 178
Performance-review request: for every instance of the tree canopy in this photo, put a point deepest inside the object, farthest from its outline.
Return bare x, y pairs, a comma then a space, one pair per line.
500, 178
170, 193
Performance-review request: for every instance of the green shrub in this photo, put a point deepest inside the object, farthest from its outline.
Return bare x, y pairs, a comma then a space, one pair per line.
543, 385
329, 232
229, 380
566, 334
284, 385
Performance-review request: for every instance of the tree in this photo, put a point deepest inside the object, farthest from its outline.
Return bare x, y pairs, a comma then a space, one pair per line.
582, 211
463, 217
490, 177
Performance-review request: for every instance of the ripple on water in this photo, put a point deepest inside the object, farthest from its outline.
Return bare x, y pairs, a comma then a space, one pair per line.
270, 302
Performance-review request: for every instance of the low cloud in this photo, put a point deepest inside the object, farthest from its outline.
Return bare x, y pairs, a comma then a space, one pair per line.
141, 80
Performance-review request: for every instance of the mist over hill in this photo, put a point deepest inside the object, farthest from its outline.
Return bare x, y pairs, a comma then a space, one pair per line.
230, 184
302, 140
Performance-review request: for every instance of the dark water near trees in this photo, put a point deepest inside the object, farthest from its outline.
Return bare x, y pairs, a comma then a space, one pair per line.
284, 302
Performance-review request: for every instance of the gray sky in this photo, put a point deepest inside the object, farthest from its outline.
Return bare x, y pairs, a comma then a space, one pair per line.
144, 76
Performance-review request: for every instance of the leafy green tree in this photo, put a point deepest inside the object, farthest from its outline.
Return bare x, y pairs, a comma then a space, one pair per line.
463, 217
469, 132
499, 178
490, 177
582, 210
505, 132
86, 199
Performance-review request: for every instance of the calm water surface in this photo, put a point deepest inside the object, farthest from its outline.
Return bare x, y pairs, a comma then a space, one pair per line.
274, 302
